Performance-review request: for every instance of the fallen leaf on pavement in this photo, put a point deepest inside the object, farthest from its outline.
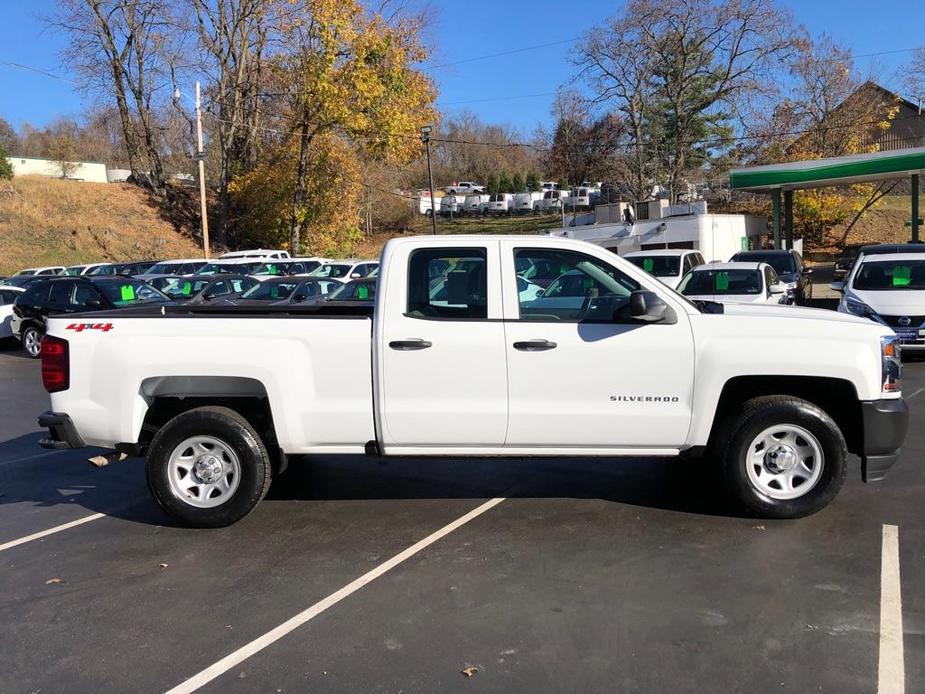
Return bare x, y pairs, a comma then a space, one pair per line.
163, 566
469, 671
53, 580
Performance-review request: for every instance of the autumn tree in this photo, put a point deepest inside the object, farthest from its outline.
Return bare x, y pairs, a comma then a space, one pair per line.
350, 74
63, 151
6, 168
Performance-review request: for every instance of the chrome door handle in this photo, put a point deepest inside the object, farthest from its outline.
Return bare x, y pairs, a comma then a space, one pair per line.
411, 345
534, 345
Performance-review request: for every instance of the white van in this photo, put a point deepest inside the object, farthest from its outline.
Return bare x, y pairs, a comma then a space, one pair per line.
552, 201
500, 203
451, 204
473, 204
525, 203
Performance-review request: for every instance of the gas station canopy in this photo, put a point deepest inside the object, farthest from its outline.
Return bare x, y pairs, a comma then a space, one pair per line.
837, 171
822, 173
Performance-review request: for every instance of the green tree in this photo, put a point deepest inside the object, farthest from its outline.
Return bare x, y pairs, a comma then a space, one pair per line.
517, 183
6, 168
533, 181
504, 183
492, 184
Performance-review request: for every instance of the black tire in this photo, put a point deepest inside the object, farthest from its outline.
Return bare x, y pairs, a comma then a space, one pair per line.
32, 335
756, 416
234, 431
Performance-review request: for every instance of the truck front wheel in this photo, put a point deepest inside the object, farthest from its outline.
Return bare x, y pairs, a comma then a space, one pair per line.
784, 457
208, 467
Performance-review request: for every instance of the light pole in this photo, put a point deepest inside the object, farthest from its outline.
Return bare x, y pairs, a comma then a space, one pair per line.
199, 156
425, 138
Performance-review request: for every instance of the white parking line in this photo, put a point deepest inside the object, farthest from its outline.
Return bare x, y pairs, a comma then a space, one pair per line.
892, 675
258, 644
50, 531
920, 390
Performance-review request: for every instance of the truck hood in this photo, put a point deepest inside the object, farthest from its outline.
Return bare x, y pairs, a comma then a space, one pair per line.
782, 311
728, 299
906, 302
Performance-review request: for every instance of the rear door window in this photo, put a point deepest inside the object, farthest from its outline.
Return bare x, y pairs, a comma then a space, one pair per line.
448, 283
60, 297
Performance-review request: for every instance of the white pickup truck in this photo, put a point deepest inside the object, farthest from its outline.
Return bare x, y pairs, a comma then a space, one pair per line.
455, 360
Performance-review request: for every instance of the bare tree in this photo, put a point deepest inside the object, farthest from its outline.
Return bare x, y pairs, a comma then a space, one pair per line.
122, 48
677, 71
232, 38
913, 77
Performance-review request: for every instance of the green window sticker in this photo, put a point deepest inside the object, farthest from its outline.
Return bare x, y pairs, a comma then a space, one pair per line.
187, 288
648, 264
363, 292
127, 292
272, 269
902, 276
722, 281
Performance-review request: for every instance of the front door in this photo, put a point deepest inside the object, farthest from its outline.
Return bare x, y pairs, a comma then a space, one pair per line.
440, 349
581, 373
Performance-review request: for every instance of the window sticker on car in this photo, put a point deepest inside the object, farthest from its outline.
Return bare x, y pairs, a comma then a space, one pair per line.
187, 288
902, 276
363, 292
127, 292
722, 281
648, 264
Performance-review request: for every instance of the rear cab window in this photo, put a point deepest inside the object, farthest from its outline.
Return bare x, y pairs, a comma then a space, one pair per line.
448, 283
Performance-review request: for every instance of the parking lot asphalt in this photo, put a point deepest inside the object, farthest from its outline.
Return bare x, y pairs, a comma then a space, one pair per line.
623, 575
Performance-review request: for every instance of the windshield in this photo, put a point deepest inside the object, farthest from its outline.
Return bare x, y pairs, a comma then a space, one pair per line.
122, 292
270, 291
163, 268
335, 270
658, 265
354, 291
781, 262
227, 268
177, 287
23, 273
721, 282
74, 270
883, 275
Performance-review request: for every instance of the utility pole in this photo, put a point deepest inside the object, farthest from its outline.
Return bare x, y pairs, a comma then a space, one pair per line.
425, 138
200, 157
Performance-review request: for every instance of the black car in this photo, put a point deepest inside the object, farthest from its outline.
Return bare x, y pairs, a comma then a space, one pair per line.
283, 268
203, 290
282, 291
74, 295
845, 261
790, 269
23, 281
362, 290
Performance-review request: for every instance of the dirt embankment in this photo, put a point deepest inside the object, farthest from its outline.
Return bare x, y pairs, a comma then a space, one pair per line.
46, 221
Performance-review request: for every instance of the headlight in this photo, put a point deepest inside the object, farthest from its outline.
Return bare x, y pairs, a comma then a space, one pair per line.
891, 365
859, 308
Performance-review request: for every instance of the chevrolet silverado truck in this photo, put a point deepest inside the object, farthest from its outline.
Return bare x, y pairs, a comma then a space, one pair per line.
455, 360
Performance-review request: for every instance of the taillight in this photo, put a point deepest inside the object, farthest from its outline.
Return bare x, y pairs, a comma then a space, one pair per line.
56, 368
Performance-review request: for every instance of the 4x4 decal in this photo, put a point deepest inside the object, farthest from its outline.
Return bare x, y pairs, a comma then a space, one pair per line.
80, 327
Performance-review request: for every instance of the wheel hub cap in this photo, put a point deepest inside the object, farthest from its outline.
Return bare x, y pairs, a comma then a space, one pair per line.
207, 469
780, 458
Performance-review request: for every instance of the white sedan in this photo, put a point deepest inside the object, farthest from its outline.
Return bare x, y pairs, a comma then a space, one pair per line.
734, 283
8, 295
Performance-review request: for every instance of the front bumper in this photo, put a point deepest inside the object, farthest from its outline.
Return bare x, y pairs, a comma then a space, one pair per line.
885, 424
61, 431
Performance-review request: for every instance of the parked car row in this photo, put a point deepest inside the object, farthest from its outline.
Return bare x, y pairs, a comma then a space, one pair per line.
251, 278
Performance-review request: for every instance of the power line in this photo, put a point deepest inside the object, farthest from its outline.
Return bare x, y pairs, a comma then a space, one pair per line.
46, 73
513, 51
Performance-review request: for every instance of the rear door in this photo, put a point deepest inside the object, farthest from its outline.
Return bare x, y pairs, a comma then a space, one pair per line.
440, 348
580, 374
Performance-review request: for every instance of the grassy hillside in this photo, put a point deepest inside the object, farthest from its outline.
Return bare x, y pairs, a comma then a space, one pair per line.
47, 221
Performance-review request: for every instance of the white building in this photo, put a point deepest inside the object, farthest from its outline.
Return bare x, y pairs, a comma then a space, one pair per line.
94, 171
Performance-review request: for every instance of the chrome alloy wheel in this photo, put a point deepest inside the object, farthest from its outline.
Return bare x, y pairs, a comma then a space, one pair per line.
32, 342
203, 471
785, 462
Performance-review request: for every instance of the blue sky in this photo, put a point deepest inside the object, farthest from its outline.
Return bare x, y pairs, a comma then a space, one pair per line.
463, 31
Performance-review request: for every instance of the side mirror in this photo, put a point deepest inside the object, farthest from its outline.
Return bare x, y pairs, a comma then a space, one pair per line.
777, 288
355, 276
807, 271
647, 307
299, 298
838, 287
93, 303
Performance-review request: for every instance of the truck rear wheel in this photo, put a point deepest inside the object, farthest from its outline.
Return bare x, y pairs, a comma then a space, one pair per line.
208, 467
784, 457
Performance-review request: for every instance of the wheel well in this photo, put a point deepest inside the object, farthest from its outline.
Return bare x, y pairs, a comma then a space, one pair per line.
164, 408
837, 397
